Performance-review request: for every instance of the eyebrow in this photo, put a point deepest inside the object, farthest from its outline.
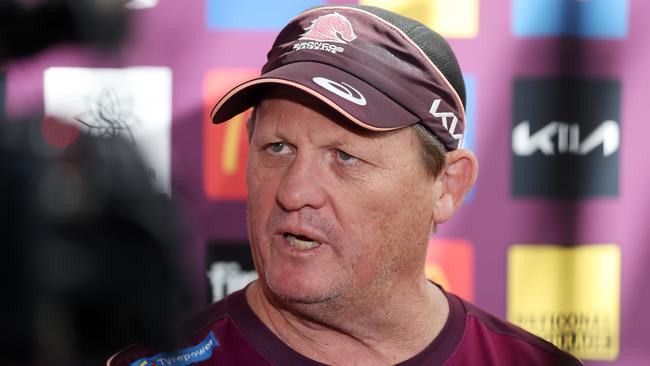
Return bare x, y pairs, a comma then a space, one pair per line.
354, 148
337, 143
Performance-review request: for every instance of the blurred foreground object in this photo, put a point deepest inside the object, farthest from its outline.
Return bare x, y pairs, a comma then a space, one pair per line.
89, 251
25, 30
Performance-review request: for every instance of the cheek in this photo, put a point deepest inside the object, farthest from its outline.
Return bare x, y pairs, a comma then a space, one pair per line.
261, 183
414, 213
396, 223
259, 207
261, 200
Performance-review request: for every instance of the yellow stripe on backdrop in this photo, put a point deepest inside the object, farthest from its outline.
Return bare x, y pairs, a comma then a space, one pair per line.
451, 18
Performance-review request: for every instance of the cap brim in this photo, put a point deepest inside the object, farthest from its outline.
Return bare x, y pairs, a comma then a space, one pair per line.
352, 97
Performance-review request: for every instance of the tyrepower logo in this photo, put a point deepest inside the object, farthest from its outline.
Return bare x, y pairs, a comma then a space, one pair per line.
569, 296
225, 146
566, 138
183, 357
450, 263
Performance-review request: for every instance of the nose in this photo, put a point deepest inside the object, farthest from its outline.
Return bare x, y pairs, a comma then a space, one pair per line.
302, 185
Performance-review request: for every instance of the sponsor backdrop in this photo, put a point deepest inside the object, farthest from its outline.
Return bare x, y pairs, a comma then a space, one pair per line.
554, 235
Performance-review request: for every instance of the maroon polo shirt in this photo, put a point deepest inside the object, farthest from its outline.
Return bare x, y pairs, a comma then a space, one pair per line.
229, 333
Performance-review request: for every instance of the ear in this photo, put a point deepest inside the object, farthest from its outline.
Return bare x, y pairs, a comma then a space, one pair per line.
455, 181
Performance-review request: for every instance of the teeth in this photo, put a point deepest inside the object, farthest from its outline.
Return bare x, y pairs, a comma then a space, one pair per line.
301, 244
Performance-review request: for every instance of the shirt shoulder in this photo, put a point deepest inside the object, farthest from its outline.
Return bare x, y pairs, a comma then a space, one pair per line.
212, 338
489, 340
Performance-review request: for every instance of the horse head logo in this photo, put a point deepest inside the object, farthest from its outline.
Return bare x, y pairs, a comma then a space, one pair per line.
330, 28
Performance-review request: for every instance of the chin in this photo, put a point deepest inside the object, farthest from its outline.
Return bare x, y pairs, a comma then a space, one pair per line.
296, 291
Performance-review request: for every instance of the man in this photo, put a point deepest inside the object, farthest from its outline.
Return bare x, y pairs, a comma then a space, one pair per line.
355, 157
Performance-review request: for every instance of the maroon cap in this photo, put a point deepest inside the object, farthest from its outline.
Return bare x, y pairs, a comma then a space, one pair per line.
366, 65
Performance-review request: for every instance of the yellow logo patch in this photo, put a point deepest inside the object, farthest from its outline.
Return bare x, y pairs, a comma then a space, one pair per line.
569, 296
451, 18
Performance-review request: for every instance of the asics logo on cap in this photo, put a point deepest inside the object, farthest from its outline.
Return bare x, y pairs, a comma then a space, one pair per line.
330, 28
343, 90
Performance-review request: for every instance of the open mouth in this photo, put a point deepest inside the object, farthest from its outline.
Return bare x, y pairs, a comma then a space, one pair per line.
301, 242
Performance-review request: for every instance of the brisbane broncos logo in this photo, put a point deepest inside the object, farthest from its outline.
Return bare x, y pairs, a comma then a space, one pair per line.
330, 28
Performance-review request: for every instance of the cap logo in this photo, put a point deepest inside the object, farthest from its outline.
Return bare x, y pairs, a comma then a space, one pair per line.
330, 28
333, 28
341, 89
451, 128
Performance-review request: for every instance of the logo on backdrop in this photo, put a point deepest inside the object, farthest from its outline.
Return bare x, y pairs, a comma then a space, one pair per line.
229, 268
132, 102
578, 18
109, 114
225, 146
566, 138
327, 28
450, 263
579, 314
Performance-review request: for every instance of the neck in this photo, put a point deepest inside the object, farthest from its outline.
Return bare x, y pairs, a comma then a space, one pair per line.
373, 332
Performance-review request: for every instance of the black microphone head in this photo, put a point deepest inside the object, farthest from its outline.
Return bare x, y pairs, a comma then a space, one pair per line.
91, 251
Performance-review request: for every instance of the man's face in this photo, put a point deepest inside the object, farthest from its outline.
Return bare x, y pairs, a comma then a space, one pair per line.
334, 212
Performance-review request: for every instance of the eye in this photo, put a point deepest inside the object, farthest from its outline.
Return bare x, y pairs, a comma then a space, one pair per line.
277, 147
345, 158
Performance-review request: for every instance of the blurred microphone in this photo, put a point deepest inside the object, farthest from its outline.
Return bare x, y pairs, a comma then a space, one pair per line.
27, 29
89, 251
